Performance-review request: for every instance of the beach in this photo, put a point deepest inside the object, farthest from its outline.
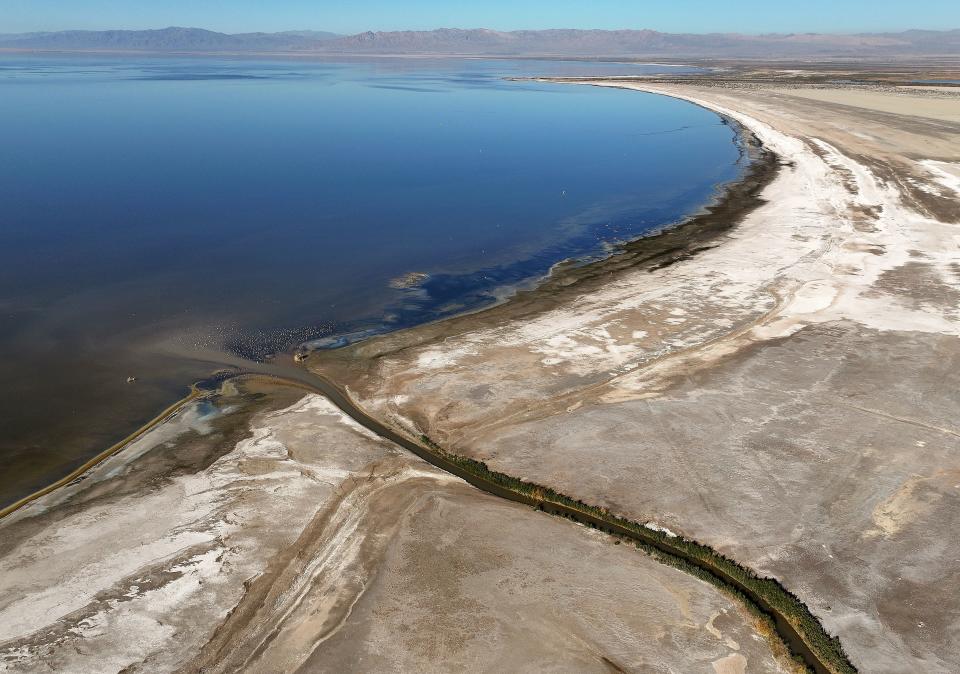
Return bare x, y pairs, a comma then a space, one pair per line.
777, 383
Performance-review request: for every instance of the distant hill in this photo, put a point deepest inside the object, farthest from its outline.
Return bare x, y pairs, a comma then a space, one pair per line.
647, 43
165, 40
561, 42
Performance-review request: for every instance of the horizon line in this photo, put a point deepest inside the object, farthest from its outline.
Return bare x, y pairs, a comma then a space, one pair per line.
480, 28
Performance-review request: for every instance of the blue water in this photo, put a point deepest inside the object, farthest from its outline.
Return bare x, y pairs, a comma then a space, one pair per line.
155, 211
297, 190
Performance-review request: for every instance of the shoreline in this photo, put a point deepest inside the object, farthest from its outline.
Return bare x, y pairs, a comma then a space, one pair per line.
699, 233
843, 267
661, 246
656, 251
112, 450
669, 244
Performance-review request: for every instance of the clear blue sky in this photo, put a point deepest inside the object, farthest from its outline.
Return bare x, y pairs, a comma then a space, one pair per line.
352, 16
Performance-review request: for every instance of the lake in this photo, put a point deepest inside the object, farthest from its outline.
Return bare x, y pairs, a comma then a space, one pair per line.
160, 217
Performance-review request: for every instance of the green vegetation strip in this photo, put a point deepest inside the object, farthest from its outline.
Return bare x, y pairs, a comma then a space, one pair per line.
766, 598
787, 616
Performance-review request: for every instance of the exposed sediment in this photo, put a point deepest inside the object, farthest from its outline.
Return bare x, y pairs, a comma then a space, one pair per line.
245, 535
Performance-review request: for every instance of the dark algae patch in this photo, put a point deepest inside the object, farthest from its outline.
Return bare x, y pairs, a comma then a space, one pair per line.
673, 244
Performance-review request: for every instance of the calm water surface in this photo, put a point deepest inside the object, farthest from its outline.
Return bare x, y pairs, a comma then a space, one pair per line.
158, 213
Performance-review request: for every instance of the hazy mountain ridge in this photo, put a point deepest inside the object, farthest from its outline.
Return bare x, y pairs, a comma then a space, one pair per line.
556, 42
166, 39
646, 43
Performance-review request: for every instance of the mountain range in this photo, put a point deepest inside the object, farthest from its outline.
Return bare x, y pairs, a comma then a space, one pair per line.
165, 40
558, 42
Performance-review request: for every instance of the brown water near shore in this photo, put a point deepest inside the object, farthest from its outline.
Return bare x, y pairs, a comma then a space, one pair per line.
93, 409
